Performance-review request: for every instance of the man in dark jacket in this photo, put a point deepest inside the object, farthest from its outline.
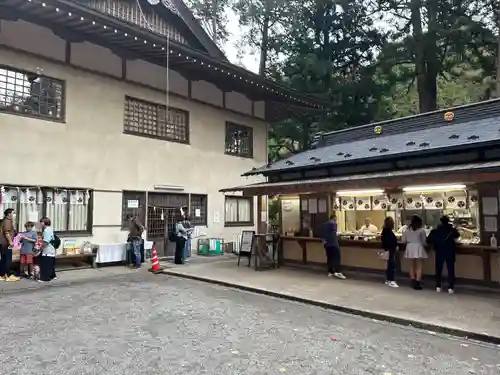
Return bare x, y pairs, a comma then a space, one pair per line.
443, 240
332, 248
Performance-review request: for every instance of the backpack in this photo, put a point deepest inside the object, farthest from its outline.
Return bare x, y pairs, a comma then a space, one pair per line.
56, 241
172, 235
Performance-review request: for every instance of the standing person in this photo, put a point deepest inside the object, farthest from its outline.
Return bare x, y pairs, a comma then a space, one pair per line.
180, 238
415, 239
135, 237
189, 230
332, 247
443, 240
7, 234
390, 245
28, 241
48, 255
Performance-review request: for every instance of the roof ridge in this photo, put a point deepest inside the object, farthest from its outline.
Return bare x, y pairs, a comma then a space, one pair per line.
398, 119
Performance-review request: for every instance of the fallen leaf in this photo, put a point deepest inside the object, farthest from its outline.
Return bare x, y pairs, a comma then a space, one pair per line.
465, 345
234, 352
386, 373
333, 338
282, 369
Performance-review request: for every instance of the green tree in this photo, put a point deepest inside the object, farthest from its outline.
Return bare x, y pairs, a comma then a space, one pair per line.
212, 16
330, 52
425, 34
266, 25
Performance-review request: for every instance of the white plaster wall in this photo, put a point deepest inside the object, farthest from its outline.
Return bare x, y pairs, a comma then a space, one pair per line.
238, 102
29, 37
97, 58
89, 150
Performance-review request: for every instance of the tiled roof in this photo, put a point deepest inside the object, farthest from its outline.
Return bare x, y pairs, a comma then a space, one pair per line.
434, 138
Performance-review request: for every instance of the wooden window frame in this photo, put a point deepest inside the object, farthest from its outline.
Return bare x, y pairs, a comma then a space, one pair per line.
204, 219
230, 127
158, 107
124, 213
240, 223
41, 116
43, 213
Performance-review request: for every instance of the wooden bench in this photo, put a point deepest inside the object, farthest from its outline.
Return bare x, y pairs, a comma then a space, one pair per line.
75, 260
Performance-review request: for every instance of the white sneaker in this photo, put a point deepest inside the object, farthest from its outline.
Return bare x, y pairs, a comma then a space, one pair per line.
339, 275
438, 290
392, 284
451, 291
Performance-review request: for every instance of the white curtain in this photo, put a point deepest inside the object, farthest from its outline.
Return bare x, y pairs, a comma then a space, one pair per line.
30, 202
231, 210
238, 210
244, 207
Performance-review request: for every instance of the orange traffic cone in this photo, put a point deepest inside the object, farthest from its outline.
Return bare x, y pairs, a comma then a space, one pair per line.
155, 264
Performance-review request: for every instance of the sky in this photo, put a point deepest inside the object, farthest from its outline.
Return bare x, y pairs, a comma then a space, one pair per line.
249, 61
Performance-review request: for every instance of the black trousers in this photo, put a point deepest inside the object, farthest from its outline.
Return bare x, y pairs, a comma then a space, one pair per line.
180, 243
449, 259
332, 258
391, 265
47, 270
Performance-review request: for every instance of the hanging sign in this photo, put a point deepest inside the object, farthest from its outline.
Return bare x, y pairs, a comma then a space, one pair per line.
132, 203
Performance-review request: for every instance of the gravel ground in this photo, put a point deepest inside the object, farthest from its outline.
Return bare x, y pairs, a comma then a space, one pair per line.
159, 325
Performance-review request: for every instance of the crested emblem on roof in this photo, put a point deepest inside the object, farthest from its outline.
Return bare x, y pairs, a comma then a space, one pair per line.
170, 6
378, 129
449, 116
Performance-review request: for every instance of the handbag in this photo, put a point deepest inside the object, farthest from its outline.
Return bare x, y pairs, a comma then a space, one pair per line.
383, 255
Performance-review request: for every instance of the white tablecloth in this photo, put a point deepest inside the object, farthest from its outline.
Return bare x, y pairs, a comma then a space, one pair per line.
115, 252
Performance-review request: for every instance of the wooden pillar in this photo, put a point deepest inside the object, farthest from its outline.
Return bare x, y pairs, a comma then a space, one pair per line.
261, 225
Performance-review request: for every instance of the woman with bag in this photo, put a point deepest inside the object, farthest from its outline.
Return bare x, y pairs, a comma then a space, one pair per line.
390, 245
443, 240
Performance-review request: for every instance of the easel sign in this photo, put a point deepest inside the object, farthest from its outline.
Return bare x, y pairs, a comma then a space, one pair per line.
246, 246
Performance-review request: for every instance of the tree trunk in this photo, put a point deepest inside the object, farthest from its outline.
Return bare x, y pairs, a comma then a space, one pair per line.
497, 91
264, 46
426, 83
214, 21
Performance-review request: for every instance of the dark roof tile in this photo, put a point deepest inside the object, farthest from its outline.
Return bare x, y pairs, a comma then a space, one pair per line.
477, 131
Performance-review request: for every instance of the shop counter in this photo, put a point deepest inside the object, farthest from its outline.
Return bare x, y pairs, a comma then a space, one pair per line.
475, 264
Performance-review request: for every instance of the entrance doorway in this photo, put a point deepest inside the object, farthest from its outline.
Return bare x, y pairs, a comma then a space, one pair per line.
161, 221
162, 210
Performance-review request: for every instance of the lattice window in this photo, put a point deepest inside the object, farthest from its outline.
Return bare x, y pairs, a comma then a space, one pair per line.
129, 11
198, 214
239, 140
29, 93
154, 120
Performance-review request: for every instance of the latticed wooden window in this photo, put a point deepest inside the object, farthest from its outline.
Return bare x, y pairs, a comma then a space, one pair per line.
239, 140
154, 120
198, 214
31, 93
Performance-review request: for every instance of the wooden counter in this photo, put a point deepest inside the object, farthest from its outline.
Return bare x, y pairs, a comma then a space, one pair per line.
475, 264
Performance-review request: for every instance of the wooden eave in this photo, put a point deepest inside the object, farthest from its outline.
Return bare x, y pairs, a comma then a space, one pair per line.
78, 23
470, 174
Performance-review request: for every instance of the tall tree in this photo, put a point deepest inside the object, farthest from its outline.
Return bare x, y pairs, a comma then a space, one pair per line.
266, 23
425, 34
330, 51
213, 16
